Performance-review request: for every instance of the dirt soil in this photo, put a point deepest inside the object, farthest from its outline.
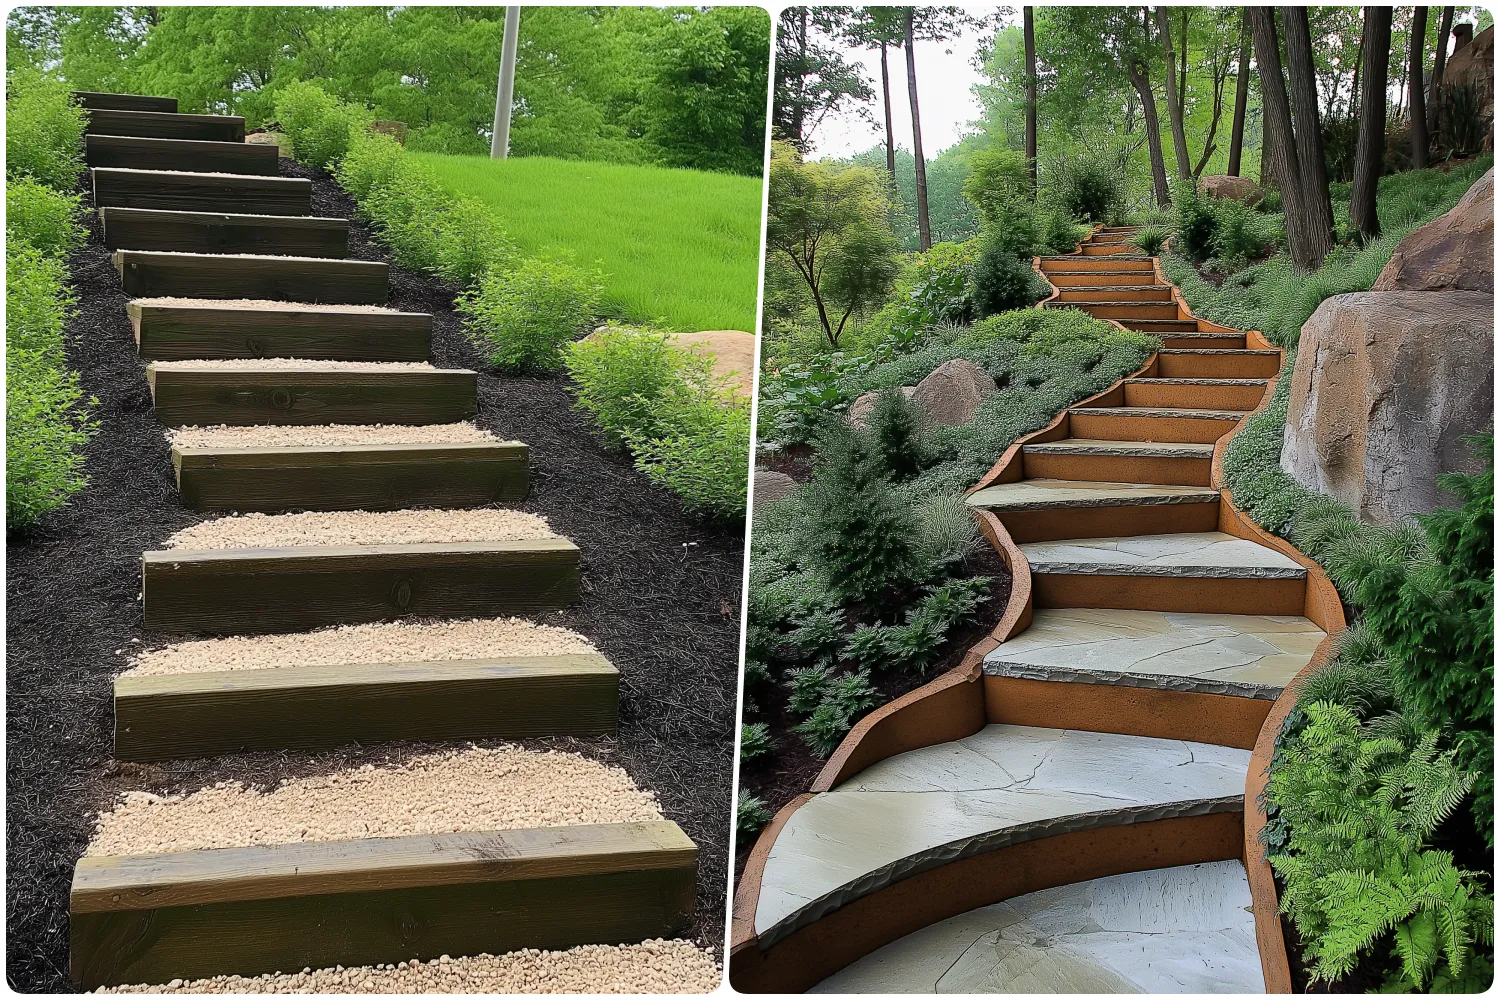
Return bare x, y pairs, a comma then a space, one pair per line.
662, 595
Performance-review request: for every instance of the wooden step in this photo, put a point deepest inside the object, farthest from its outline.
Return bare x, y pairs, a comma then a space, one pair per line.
208, 329
297, 588
1205, 393
211, 232
92, 100
1118, 293
251, 910
205, 714
352, 477
1107, 461
248, 194
1202, 362
189, 395
164, 125
146, 273
191, 155
1036, 510
1140, 423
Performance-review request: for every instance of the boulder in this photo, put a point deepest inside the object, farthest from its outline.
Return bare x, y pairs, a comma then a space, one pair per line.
771, 486
1229, 188
860, 409
952, 393
1385, 387
1456, 250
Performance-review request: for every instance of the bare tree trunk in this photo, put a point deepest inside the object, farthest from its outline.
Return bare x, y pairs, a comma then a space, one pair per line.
1415, 52
924, 230
1209, 146
1141, 81
1301, 221
1369, 156
1359, 61
799, 110
1028, 30
890, 129
1174, 106
1241, 98
1302, 83
1439, 62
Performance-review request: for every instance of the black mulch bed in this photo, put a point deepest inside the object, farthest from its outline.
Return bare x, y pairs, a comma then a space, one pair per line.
662, 596
789, 770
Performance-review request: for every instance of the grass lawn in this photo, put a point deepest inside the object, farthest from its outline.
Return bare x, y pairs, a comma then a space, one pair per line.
679, 248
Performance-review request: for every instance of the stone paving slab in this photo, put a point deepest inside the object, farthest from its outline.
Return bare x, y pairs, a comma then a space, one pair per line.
1159, 411
1121, 449
1003, 785
1046, 494
1189, 553
1249, 655
1172, 930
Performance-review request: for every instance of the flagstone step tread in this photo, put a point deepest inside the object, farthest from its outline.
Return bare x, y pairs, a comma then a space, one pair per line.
1213, 554
200, 155
224, 233
1220, 351
1251, 656
125, 187
302, 587
1187, 929
1195, 381
167, 125
1004, 785
147, 273
1120, 288
208, 713
1120, 449
1103, 272
1187, 324
174, 329
94, 100
251, 910
1165, 412
352, 477
1071, 258
1052, 494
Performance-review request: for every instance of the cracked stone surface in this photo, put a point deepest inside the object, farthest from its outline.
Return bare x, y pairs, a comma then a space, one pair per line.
1044, 494
1189, 553
1121, 449
1195, 381
1159, 411
1211, 352
1005, 784
1166, 649
1172, 930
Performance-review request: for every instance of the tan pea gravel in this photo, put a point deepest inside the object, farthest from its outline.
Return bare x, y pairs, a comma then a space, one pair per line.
386, 642
326, 435
359, 527
179, 301
459, 791
292, 364
654, 966
243, 256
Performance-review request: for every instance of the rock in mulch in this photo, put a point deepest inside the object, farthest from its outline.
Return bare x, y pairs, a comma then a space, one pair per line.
952, 393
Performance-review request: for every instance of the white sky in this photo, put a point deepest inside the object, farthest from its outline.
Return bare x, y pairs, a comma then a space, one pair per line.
944, 74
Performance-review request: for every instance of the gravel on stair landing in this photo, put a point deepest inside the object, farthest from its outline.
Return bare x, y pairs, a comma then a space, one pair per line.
292, 364
384, 642
457, 791
360, 527
325, 435
654, 966
179, 301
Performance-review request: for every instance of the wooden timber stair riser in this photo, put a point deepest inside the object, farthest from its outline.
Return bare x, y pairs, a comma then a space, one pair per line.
1113, 517
255, 910
215, 232
352, 477
92, 100
246, 194
288, 397
299, 588
316, 707
150, 274
167, 125
205, 330
189, 155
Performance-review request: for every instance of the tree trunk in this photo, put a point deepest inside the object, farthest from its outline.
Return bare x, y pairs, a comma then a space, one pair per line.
1141, 81
1359, 61
924, 231
1028, 30
799, 109
1209, 146
1369, 156
1301, 221
1174, 106
1302, 82
1182, 63
890, 129
1241, 98
1439, 62
1415, 53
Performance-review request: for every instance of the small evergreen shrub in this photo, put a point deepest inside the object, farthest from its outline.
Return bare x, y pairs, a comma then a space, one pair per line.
523, 317
1003, 281
755, 741
750, 813
844, 700
41, 217
43, 130
1088, 187
894, 429
1197, 224
806, 688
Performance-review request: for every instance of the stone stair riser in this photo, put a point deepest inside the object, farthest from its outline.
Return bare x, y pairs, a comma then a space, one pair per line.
1188, 594
1227, 341
1097, 279
240, 398
1145, 392
165, 125
1174, 471
1107, 249
192, 155
1159, 327
209, 276
209, 232
205, 332
1126, 312
243, 194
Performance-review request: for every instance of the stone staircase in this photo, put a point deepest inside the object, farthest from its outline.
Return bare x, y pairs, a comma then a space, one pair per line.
259, 330
1065, 811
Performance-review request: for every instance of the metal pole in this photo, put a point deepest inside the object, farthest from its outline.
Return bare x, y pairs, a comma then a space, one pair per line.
500, 138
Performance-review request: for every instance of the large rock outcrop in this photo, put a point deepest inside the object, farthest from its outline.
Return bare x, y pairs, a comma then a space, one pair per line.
1385, 387
1453, 251
952, 393
1225, 187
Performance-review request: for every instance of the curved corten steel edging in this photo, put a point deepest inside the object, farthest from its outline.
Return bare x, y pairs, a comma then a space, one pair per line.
1036, 264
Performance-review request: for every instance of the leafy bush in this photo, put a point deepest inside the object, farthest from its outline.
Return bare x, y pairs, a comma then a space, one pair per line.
1003, 281
319, 125
41, 217
750, 813
1196, 223
1087, 187
621, 373
844, 700
1149, 240
700, 450
755, 741
806, 688
1239, 235
524, 316
43, 130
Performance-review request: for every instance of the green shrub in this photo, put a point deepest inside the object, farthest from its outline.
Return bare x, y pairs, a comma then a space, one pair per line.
621, 373
818, 632
43, 130
702, 453
1196, 223
915, 645
41, 217
947, 531
844, 700
750, 813
954, 601
373, 161
37, 302
522, 317
1087, 187
806, 687
894, 429
1003, 281
1149, 240
320, 126
755, 741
